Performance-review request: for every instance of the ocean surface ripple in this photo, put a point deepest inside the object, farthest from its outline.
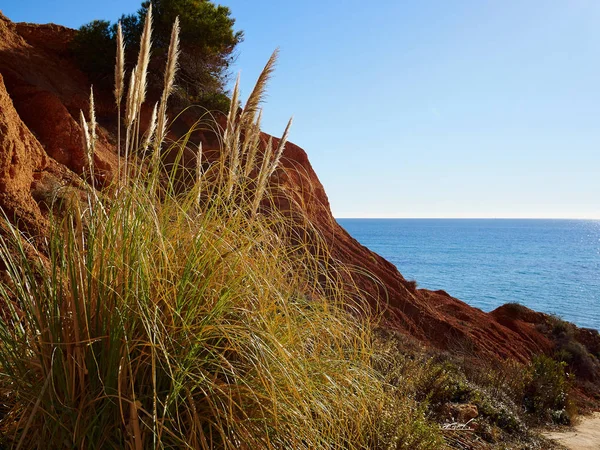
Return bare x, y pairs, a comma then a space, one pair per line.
551, 266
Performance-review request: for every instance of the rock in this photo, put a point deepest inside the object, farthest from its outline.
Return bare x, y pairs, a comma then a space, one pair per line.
466, 412
22, 159
461, 412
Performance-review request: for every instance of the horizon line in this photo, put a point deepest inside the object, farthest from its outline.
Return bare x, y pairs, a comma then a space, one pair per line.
466, 218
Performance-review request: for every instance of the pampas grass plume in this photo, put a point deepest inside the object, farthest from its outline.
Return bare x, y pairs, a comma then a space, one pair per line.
85, 133
169, 83
92, 122
151, 129
119, 66
280, 148
144, 59
130, 105
255, 98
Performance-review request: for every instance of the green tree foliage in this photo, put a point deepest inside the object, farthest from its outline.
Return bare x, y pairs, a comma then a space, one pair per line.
208, 41
94, 49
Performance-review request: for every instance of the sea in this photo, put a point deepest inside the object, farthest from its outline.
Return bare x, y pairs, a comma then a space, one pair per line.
551, 266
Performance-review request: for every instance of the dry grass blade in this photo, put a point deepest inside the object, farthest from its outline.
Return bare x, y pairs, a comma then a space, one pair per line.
199, 173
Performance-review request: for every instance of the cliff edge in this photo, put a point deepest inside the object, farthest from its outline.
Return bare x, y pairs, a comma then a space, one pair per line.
41, 93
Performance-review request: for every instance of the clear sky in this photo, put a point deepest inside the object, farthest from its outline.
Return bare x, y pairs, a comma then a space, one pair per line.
422, 108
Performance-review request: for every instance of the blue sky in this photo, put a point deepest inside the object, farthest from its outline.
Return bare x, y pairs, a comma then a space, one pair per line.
423, 108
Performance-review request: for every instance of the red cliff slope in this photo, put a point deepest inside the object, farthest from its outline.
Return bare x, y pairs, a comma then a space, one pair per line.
41, 93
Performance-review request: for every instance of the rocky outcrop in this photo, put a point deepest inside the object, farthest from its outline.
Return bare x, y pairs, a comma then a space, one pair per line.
22, 160
48, 92
41, 94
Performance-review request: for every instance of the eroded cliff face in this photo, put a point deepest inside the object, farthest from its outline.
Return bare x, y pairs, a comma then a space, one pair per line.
41, 93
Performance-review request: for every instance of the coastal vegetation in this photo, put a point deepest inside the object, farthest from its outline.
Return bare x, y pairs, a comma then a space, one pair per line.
156, 316
181, 307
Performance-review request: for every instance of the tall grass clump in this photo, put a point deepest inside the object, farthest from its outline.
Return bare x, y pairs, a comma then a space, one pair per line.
162, 318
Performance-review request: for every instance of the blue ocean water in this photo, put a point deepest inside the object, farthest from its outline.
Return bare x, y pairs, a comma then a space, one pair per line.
548, 265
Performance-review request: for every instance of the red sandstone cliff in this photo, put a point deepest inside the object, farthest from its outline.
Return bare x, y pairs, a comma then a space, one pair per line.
41, 93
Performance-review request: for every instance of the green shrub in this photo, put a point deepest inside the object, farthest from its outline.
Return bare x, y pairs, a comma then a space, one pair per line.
404, 426
578, 359
560, 327
441, 382
94, 49
515, 308
499, 413
213, 101
547, 391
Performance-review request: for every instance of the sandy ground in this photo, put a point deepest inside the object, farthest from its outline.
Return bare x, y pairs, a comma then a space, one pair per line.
584, 436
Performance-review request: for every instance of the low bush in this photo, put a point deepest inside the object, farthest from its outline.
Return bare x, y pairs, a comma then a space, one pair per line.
584, 365
547, 391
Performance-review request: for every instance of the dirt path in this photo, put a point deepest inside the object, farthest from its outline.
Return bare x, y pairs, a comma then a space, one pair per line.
584, 436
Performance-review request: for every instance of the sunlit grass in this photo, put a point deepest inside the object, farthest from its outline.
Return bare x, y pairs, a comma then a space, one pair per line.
162, 317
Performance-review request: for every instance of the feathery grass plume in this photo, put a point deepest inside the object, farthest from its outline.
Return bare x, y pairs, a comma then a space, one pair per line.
236, 150
85, 134
88, 149
130, 118
119, 67
231, 130
144, 59
279, 151
91, 148
233, 164
251, 144
151, 129
130, 104
141, 74
257, 95
268, 167
172, 60
92, 120
169, 83
119, 86
262, 180
233, 109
